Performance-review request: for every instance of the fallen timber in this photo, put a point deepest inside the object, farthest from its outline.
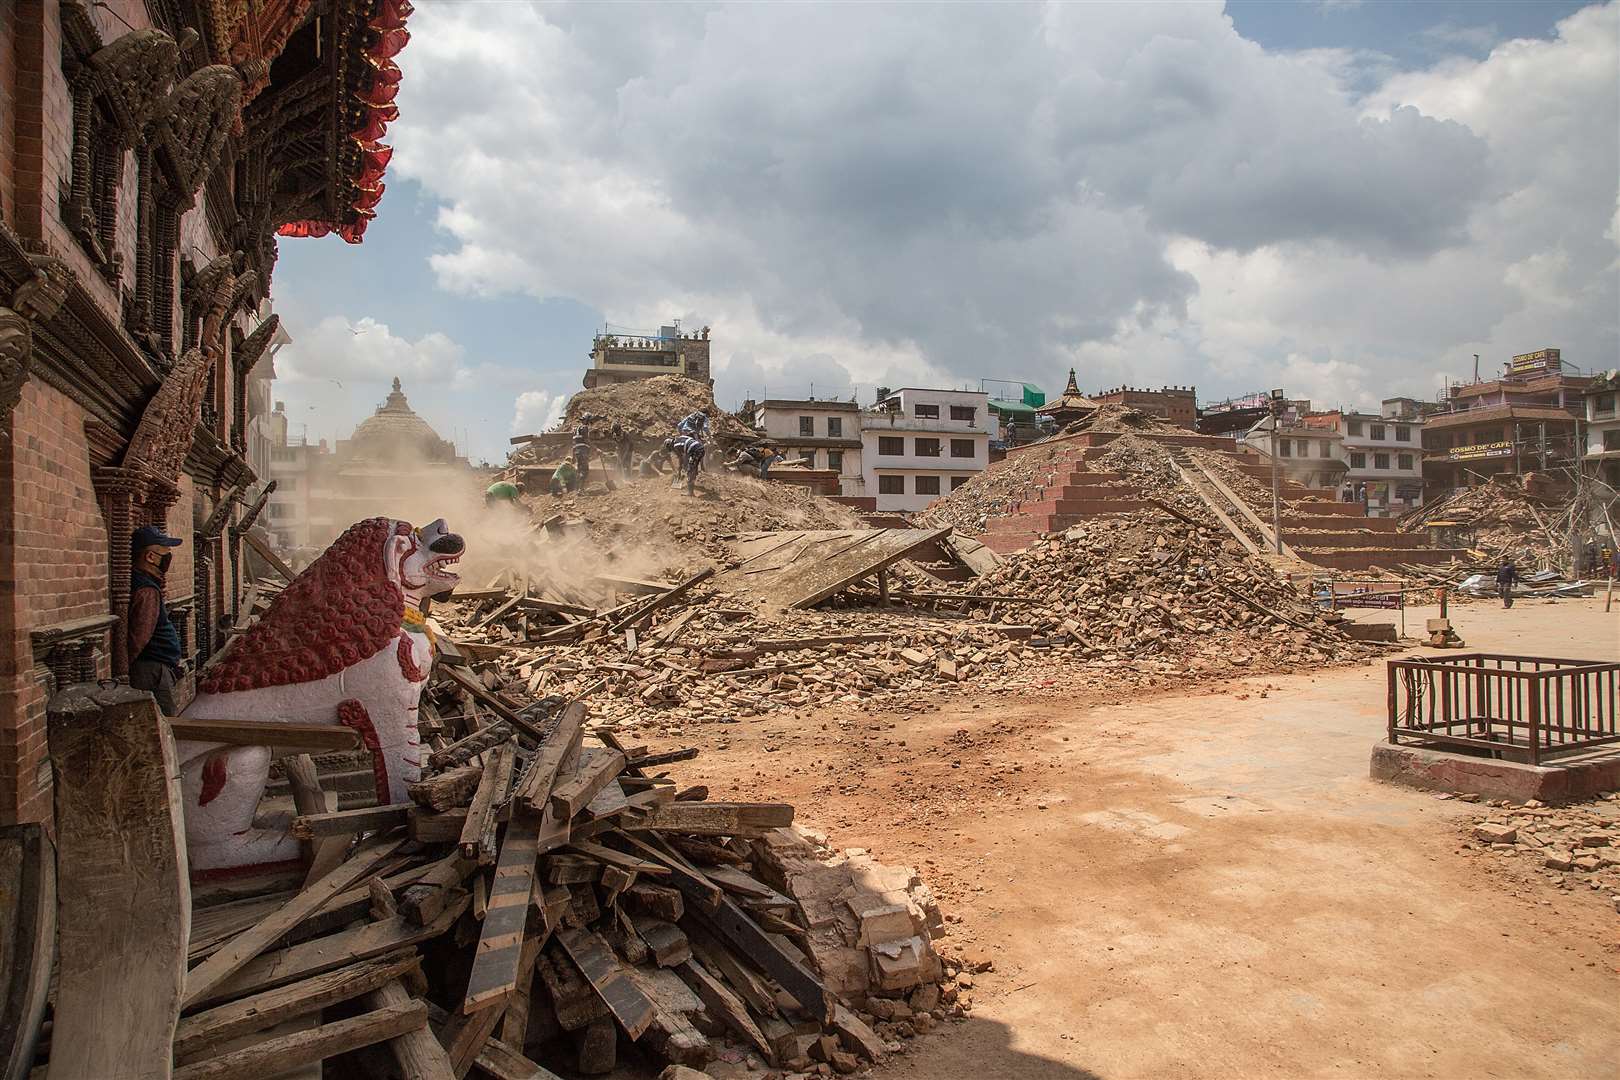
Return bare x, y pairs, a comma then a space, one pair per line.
594, 910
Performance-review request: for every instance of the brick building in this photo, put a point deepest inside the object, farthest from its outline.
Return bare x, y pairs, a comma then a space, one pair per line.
1525, 420
622, 357
150, 153
1177, 404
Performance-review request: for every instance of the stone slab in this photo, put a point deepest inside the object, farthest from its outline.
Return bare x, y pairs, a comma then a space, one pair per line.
1440, 770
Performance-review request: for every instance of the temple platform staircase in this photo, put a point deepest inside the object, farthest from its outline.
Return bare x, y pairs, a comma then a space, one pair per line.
1317, 528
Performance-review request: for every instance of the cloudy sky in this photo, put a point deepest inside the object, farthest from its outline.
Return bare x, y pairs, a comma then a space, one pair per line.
1344, 199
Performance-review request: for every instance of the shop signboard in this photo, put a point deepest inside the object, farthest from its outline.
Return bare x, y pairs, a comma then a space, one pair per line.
1533, 363
1480, 451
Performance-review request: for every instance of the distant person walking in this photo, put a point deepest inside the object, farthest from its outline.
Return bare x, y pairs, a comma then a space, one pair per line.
1507, 576
625, 447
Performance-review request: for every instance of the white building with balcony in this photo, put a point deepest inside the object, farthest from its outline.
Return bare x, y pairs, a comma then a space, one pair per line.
1602, 458
822, 434
1383, 457
917, 445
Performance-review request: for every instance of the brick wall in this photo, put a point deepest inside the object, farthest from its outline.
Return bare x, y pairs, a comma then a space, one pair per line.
8, 107
52, 532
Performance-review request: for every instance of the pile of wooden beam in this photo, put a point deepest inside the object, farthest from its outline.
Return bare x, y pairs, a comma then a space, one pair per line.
547, 899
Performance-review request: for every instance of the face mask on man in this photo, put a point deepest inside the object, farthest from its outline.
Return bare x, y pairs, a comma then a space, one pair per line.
163, 562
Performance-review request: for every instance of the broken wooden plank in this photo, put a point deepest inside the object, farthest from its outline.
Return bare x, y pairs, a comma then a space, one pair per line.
496, 965
664, 940
201, 1032
453, 787
470, 746
689, 879
596, 770
672, 1035
718, 819
663, 600
733, 926
349, 822
668, 757
262, 549
419, 1054
464, 1036
308, 798
619, 859
484, 697
286, 1052
503, 1062
120, 860
556, 748
491, 790
250, 943
725, 1006
322, 954
315, 738
629, 1006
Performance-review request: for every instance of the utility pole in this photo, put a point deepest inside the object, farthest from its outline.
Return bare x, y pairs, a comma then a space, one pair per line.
1276, 476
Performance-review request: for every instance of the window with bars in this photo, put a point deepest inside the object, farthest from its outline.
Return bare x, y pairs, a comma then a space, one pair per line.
1381, 461
891, 485
958, 481
962, 448
807, 425
927, 485
835, 427
928, 448
964, 412
891, 445
925, 412
835, 460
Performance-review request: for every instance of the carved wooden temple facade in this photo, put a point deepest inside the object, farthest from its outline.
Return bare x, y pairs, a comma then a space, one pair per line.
151, 151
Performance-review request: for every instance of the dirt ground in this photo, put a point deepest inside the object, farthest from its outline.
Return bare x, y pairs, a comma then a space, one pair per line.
1203, 882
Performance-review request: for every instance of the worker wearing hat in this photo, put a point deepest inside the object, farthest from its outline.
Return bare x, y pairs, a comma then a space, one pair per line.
154, 642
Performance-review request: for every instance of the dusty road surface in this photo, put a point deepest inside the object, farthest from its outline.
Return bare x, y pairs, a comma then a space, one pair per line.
1204, 883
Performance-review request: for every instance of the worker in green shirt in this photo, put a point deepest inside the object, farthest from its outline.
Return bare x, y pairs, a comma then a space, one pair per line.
504, 493
565, 477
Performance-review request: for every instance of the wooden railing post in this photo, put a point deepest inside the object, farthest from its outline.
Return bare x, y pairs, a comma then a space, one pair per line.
124, 905
1537, 688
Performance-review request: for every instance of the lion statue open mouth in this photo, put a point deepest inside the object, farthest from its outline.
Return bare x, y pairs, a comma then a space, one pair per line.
345, 643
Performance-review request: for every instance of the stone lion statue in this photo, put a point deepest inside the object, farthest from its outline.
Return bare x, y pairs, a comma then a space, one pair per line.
345, 643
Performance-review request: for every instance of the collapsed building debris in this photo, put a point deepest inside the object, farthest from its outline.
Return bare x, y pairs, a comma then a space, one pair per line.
548, 895
1568, 847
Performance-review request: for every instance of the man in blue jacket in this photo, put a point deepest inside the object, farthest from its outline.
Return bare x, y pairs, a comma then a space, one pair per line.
154, 642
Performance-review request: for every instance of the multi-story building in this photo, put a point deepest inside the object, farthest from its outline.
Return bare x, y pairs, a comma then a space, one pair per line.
1523, 421
917, 445
1307, 454
822, 434
1383, 459
617, 357
1602, 460
150, 154
1177, 404
299, 469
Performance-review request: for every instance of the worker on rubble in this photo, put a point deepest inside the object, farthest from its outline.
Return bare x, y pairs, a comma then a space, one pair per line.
695, 425
624, 446
691, 452
1507, 576
564, 477
654, 463
582, 449
505, 493
755, 460
154, 642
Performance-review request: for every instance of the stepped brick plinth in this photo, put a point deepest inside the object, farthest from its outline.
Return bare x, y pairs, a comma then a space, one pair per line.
1341, 536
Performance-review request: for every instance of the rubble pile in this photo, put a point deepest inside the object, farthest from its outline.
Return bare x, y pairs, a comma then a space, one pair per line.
1145, 596
1144, 586
1569, 846
999, 490
1501, 519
